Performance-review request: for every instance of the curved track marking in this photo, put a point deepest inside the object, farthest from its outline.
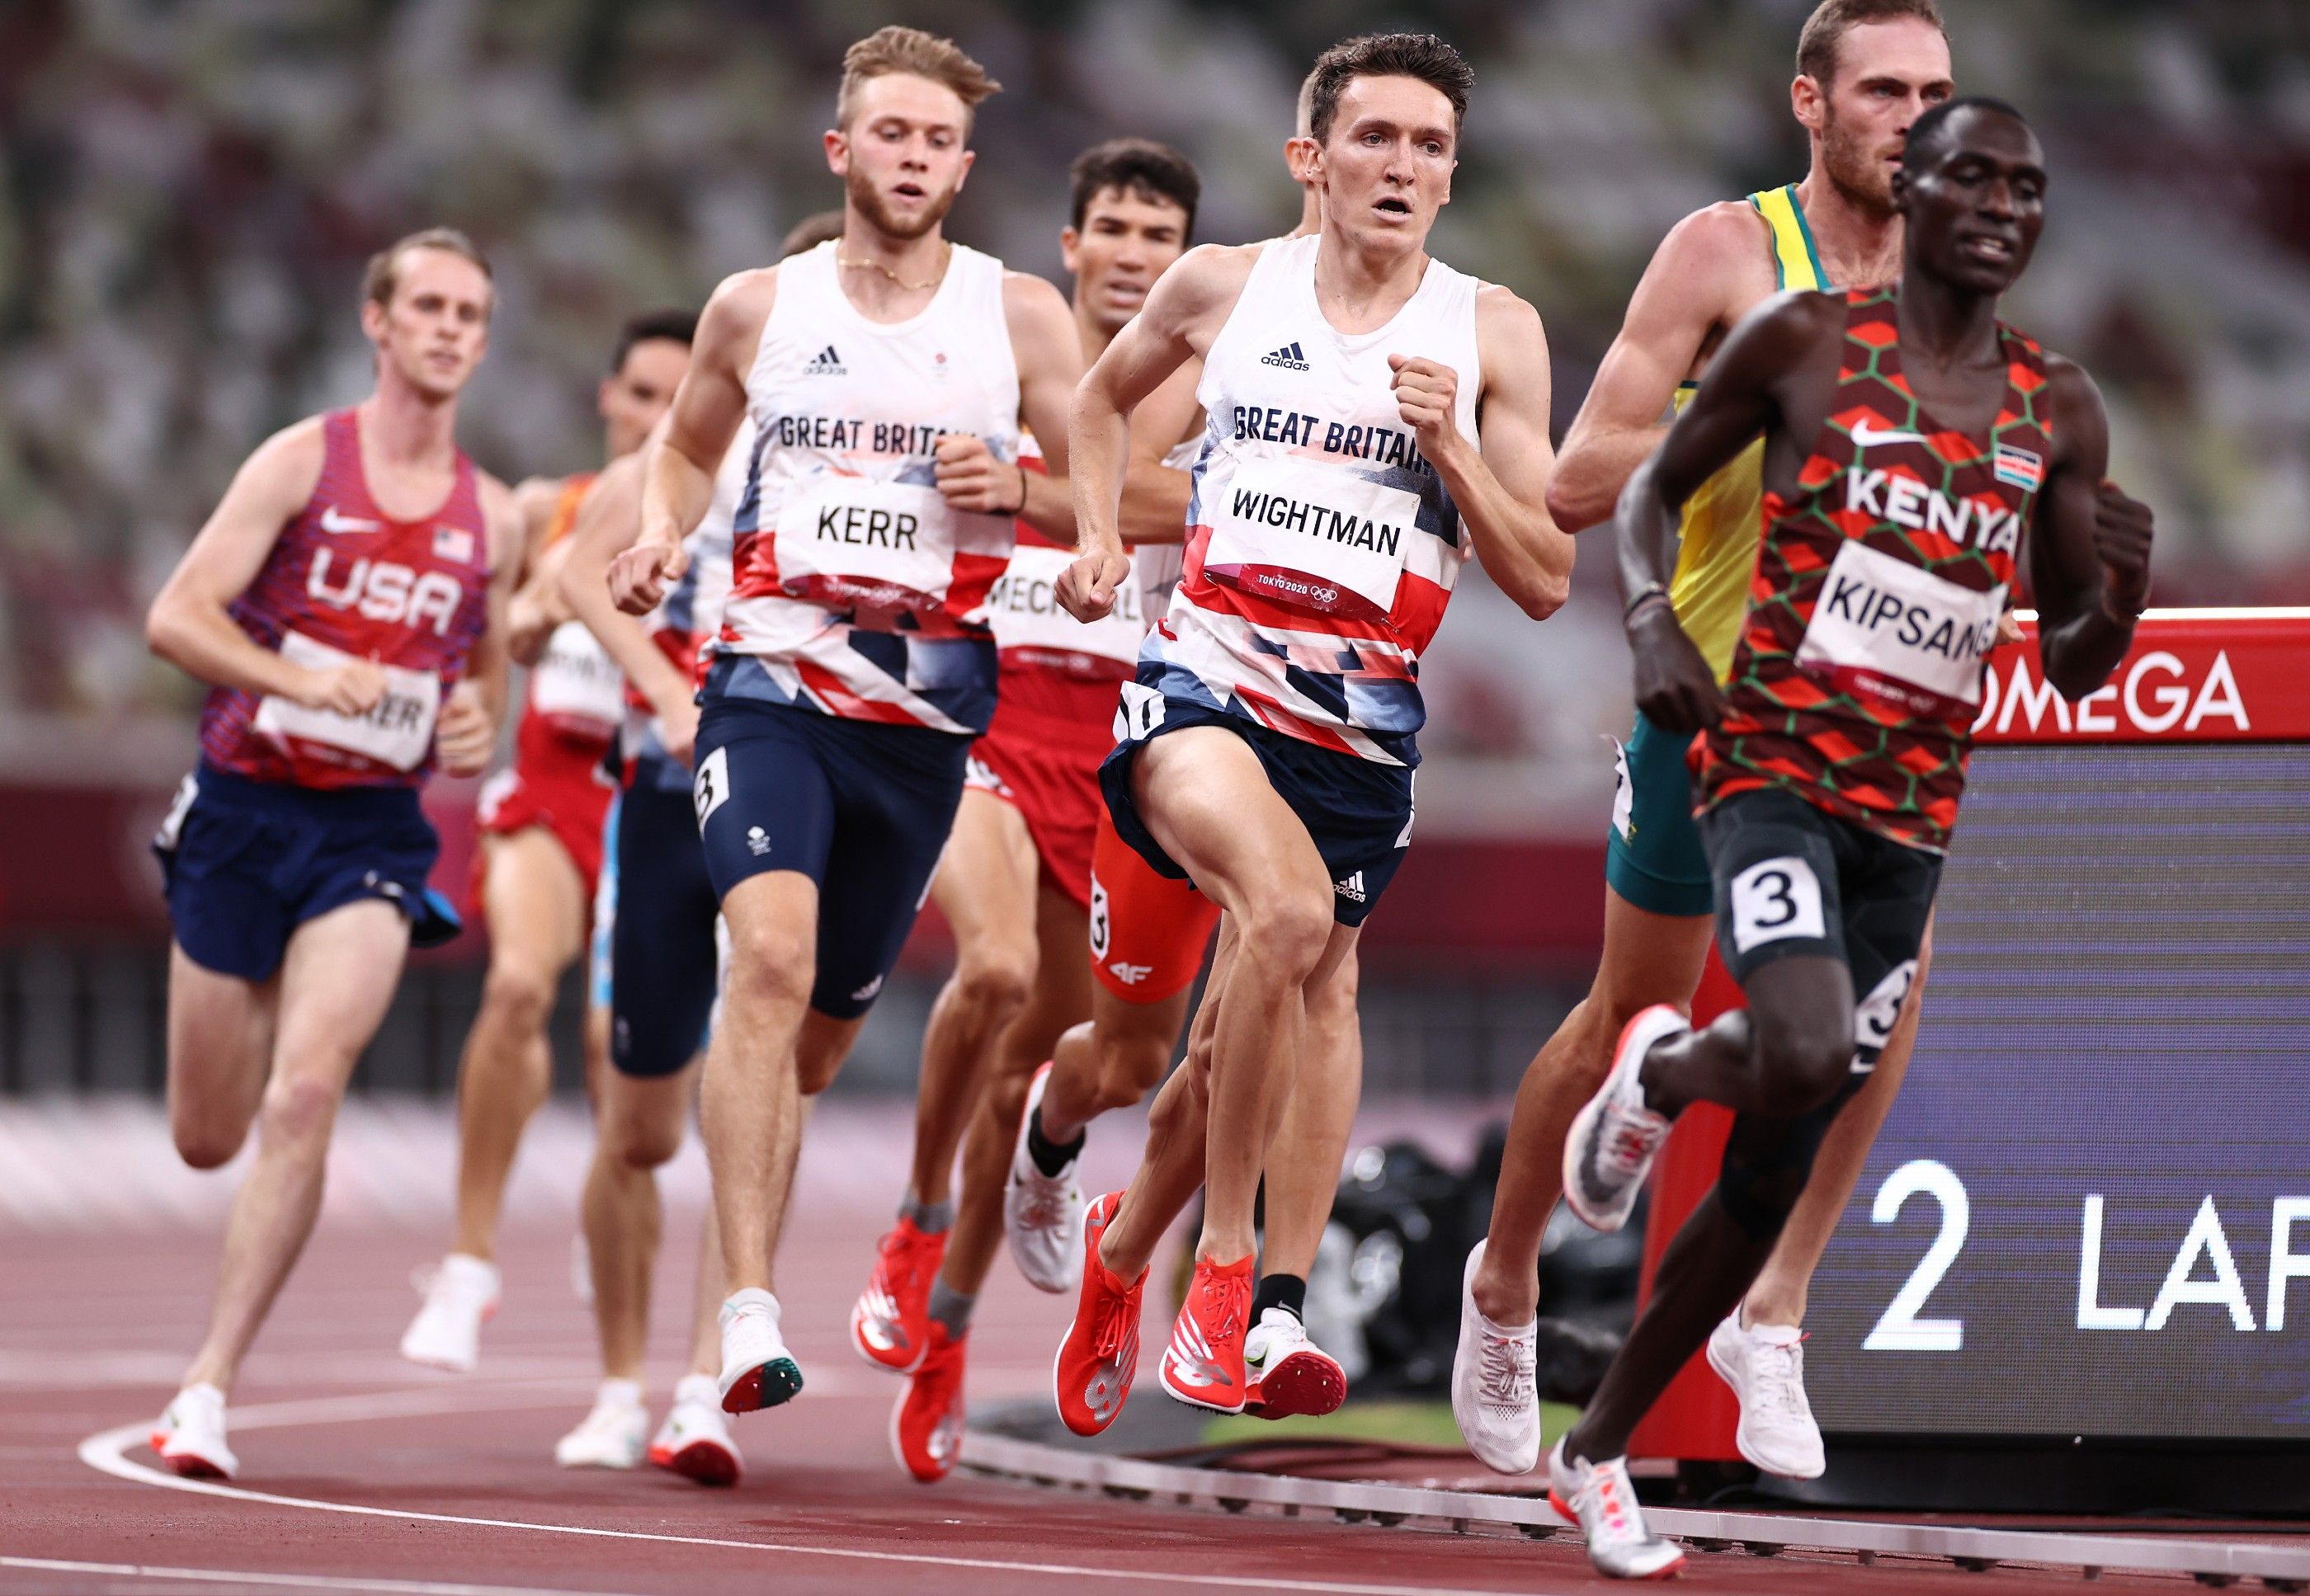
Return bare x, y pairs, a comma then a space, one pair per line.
107, 1452
301, 1582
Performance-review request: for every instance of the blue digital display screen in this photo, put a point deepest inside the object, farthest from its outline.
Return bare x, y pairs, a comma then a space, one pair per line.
2088, 1214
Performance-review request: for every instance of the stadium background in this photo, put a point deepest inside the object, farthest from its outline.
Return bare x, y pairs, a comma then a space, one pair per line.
187, 194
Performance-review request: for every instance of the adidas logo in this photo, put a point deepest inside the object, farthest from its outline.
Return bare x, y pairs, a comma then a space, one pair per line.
826, 363
1289, 357
1352, 889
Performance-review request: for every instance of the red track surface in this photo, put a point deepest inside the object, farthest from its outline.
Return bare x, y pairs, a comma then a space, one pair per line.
95, 1333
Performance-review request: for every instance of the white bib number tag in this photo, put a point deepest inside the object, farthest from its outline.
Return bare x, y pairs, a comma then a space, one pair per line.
1887, 629
397, 732
576, 684
1137, 713
847, 541
1023, 609
1773, 899
1316, 538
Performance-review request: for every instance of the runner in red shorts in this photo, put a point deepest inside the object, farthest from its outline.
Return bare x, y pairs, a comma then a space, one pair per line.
1015, 881
541, 820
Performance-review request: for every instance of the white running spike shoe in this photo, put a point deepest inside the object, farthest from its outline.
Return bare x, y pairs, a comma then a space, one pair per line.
757, 1369
1042, 1214
460, 1292
1495, 1394
1286, 1374
189, 1435
1764, 1364
1609, 1148
695, 1440
1602, 1500
613, 1435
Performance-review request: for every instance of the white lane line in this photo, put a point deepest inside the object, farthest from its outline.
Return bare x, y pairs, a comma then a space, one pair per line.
106, 1451
298, 1582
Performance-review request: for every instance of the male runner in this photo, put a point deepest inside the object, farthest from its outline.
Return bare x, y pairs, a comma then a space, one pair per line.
1911, 439
541, 824
345, 602
1865, 70
1030, 809
887, 375
1269, 737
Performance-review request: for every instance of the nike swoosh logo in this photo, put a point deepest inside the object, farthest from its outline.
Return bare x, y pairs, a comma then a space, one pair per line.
1864, 435
333, 519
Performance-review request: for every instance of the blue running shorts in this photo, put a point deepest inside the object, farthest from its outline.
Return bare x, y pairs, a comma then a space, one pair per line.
661, 966
1652, 857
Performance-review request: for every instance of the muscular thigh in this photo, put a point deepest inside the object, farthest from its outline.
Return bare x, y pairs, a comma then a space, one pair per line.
986, 880
1649, 958
1206, 799
534, 898
336, 983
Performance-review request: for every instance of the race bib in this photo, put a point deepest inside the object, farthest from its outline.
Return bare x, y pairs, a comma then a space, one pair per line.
1886, 630
575, 685
1023, 611
848, 542
397, 732
1317, 538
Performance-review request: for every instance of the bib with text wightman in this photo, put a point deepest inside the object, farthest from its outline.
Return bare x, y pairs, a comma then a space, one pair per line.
396, 734
1024, 611
1316, 538
1890, 631
850, 541
576, 685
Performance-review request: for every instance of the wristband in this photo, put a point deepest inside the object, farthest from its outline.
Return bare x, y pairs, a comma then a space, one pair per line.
1650, 590
1020, 509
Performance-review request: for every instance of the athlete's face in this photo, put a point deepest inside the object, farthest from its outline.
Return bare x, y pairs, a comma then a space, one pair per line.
1886, 75
1385, 170
640, 391
436, 327
901, 158
1127, 240
1976, 207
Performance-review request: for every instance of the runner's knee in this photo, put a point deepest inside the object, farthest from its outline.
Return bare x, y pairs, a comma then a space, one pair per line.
299, 1110
775, 964
518, 992
641, 1140
205, 1140
1286, 930
1806, 1054
995, 979
819, 1058
1129, 1068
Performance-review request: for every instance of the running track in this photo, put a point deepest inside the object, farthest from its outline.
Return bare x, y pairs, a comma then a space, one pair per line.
361, 1474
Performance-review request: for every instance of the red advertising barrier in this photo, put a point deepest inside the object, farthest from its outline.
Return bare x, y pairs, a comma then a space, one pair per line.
2191, 676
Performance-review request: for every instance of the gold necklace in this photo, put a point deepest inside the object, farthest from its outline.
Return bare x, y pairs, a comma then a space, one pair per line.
876, 265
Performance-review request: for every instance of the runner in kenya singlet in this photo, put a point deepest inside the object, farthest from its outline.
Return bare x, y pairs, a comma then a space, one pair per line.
1878, 588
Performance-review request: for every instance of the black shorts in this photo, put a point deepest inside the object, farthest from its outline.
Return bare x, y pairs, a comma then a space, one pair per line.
861, 809
1357, 811
662, 946
1790, 879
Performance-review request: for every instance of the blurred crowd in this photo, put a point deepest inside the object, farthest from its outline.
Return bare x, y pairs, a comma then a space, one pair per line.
187, 191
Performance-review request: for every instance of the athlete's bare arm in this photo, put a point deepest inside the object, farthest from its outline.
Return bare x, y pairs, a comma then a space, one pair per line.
190, 624
1155, 495
678, 484
1048, 351
2089, 550
607, 526
466, 734
1501, 484
1710, 270
537, 606
1183, 312
1745, 393
535, 498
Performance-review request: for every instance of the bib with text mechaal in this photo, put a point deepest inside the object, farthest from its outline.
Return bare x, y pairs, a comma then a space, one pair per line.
1023, 611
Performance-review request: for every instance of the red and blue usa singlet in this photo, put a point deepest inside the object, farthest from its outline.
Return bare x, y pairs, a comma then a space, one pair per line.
1878, 588
346, 581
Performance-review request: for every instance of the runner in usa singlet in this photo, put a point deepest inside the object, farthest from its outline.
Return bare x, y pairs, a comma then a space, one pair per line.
1878, 590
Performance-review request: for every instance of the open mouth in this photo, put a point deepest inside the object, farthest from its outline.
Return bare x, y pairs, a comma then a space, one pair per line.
1392, 206
909, 191
1987, 248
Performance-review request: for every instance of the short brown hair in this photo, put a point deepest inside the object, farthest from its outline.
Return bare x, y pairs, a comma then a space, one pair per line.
383, 274
1825, 30
1420, 56
811, 232
1135, 166
910, 49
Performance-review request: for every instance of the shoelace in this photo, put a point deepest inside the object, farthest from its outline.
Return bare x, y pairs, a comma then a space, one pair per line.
1780, 1368
902, 1258
1112, 1324
1506, 1373
1046, 1207
1225, 1299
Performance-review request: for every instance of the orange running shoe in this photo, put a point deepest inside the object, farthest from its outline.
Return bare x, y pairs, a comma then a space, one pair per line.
1092, 1374
926, 1420
1203, 1365
889, 1324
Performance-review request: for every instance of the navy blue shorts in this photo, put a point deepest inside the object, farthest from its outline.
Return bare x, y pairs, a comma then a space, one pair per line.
245, 862
662, 953
860, 808
1356, 811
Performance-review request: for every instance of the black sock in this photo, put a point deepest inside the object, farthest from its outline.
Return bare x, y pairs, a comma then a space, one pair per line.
1050, 1157
1287, 1292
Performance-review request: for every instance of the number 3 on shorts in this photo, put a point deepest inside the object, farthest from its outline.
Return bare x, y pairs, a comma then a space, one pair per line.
1775, 898
710, 789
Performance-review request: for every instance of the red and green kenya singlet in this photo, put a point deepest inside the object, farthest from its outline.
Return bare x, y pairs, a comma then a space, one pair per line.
1878, 588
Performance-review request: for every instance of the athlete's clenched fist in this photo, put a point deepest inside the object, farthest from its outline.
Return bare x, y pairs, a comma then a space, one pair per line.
1427, 396
2121, 537
640, 576
464, 735
1087, 587
970, 478
351, 687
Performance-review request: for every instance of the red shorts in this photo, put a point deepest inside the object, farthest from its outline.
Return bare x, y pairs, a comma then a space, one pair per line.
1046, 766
1148, 932
557, 784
